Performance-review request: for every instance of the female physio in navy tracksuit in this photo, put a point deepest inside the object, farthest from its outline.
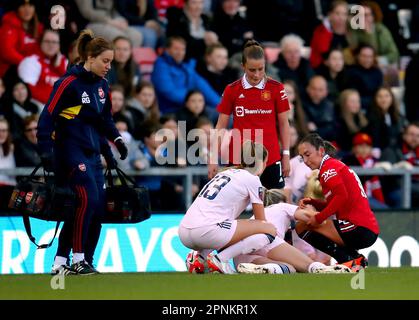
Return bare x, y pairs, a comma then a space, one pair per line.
73, 130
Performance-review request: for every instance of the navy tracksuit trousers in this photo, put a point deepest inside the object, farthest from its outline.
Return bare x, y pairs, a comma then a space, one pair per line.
83, 171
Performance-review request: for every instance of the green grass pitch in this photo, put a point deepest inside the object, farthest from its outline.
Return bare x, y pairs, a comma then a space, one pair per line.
380, 283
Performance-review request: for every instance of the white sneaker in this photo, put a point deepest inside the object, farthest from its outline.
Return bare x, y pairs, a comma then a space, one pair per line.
338, 268
215, 265
253, 268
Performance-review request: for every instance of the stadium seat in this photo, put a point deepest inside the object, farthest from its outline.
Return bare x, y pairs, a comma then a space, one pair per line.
145, 57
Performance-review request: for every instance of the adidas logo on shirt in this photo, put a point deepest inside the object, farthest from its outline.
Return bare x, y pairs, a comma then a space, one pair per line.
85, 97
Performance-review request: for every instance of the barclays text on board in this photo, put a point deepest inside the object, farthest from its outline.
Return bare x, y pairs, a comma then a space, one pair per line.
150, 246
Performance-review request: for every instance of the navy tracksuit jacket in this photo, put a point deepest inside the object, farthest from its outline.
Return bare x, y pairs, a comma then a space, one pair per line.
74, 126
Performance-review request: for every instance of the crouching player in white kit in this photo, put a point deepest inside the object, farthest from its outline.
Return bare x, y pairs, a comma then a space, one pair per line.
210, 222
279, 256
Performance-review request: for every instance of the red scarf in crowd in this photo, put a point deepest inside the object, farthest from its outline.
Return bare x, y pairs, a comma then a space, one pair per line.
372, 186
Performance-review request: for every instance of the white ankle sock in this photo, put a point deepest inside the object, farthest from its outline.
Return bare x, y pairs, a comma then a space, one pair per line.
314, 266
77, 257
245, 246
59, 261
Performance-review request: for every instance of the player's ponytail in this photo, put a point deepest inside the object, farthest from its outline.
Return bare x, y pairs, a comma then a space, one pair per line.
273, 196
89, 45
252, 50
316, 141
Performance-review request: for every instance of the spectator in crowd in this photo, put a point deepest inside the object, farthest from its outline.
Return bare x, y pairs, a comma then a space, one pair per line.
124, 70
291, 64
105, 21
351, 119
232, 29
334, 71
173, 78
193, 25
385, 121
364, 75
26, 148
155, 150
362, 156
411, 97
193, 109
376, 34
119, 112
20, 31
40, 71
142, 107
18, 105
332, 33
142, 15
7, 161
410, 150
215, 68
407, 157
296, 113
319, 109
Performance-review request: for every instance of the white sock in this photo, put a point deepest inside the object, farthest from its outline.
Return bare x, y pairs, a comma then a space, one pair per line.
314, 266
77, 257
245, 246
59, 261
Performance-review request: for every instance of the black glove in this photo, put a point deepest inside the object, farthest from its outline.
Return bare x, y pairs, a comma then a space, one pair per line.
47, 161
122, 148
111, 163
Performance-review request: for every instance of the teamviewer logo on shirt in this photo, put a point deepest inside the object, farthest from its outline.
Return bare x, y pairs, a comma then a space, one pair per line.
239, 111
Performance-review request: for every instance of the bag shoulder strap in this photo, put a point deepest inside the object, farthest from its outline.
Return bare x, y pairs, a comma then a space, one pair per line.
27, 225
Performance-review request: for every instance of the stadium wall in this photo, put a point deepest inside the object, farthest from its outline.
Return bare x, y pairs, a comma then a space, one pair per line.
154, 245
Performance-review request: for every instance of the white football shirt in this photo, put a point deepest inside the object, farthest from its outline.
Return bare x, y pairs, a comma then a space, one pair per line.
224, 197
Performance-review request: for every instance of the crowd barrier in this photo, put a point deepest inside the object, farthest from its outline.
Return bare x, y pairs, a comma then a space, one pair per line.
188, 173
